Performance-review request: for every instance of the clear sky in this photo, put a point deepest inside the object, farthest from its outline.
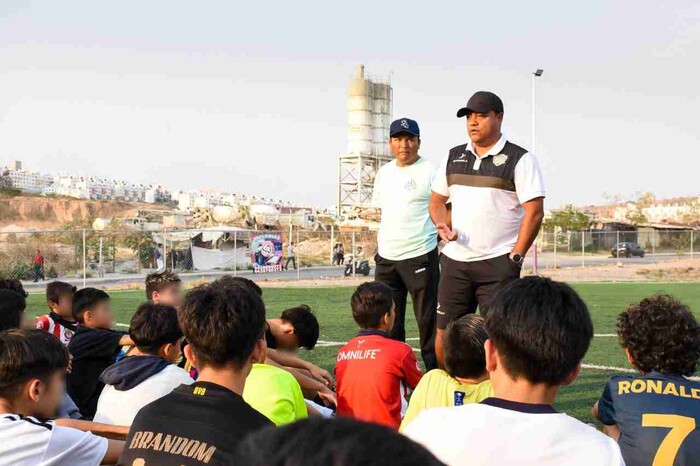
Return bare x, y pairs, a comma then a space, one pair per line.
251, 96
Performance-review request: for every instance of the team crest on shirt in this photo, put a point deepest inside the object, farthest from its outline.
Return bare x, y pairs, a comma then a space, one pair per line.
68, 334
499, 159
40, 325
410, 186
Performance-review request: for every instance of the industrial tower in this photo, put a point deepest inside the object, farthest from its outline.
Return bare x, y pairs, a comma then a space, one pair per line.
369, 117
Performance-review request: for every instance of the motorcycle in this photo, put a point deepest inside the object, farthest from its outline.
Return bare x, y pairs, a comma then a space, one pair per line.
361, 266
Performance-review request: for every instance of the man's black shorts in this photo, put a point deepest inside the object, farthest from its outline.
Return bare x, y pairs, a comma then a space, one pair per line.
466, 285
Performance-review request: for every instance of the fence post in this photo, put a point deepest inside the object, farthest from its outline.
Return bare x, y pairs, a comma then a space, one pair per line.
617, 245
691, 244
332, 242
102, 274
298, 256
354, 253
583, 248
653, 244
84, 261
555, 248
235, 253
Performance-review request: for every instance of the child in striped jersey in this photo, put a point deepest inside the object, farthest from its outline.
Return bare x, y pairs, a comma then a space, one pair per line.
59, 321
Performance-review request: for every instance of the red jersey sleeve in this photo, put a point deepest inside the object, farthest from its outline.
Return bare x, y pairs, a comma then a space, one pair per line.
411, 369
42, 323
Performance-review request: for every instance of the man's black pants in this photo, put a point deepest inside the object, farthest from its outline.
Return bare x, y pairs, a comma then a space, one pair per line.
466, 285
419, 276
293, 260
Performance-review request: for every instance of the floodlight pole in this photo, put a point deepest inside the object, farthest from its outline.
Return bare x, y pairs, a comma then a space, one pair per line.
536, 74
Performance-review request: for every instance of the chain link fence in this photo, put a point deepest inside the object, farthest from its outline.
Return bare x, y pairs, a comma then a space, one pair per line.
119, 255
560, 249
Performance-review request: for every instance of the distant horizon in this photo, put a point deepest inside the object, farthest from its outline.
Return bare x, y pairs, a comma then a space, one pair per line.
622, 199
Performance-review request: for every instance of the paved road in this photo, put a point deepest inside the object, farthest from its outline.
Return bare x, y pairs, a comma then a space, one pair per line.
126, 279
570, 260
544, 261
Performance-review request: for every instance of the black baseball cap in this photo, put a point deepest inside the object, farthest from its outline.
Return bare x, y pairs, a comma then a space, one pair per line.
482, 102
404, 125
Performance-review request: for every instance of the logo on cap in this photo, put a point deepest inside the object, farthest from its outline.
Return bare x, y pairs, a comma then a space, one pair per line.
404, 124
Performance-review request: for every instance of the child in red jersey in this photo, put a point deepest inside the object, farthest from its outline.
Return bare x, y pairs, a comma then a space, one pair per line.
373, 371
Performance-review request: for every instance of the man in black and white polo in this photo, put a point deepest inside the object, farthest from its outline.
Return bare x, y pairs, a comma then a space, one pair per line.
407, 258
497, 195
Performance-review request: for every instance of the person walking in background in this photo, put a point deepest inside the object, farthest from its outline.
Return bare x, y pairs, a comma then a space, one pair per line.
407, 257
291, 257
497, 196
158, 256
38, 266
341, 254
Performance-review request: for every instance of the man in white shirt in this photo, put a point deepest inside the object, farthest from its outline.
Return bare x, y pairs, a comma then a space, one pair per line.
149, 372
291, 257
539, 330
407, 258
497, 197
32, 382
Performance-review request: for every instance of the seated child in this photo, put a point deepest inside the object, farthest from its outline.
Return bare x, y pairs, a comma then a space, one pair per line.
32, 382
94, 347
539, 330
466, 379
59, 321
654, 416
373, 371
225, 328
149, 372
12, 306
275, 393
13, 284
164, 288
315, 382
296, 328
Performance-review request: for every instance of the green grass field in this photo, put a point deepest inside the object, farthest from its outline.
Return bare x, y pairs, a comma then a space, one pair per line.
332, 308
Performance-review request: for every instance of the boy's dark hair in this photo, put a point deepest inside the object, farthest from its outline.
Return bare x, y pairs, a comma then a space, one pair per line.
222, 323
305, 325
370, 302
661, 334
12, 306
159, 280
227, 280
55, 290
541, 329
13, 284
154, 325
463, 347
86, 299
28, 354
338, 441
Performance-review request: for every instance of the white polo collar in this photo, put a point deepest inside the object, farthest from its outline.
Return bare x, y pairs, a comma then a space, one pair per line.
498, 147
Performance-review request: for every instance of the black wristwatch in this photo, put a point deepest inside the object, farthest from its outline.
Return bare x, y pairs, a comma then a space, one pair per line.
518, 258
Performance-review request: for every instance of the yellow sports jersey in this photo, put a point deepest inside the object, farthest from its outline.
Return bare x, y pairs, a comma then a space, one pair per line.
437, 389
275, 393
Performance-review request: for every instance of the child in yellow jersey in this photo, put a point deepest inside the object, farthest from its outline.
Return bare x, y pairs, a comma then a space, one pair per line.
466, 379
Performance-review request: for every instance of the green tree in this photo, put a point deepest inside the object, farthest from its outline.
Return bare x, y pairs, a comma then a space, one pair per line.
6, 181
567, 219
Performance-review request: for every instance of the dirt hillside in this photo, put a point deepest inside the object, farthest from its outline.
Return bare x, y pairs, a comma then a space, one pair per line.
42, 212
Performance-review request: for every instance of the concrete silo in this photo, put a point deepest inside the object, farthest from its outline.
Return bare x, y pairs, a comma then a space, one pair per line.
369, 117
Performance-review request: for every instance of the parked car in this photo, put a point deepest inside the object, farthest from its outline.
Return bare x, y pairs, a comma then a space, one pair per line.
627, 250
